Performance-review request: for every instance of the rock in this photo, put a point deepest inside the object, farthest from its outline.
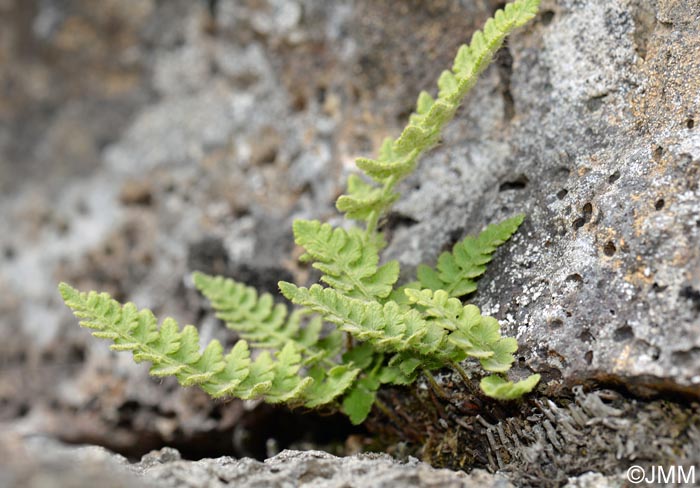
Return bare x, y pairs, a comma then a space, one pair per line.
605, 165
590, 132
143, 140
313, 468
39, 462
545, 441
116, 175
594, 480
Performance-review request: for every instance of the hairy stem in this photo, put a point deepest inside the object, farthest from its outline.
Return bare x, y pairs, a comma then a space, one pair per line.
435, 385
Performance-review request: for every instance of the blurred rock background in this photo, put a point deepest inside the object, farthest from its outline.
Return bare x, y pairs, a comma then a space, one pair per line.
141, 140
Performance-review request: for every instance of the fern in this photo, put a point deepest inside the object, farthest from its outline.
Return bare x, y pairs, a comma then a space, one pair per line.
397, 333
267, 325
348, 261
175, 352
501, 389
474, 334
398, 158
386, 327
172, 352
457, 270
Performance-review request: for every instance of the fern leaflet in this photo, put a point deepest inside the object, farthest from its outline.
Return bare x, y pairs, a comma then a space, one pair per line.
397, 158
458, 270
347, 259
501, 389
264, 324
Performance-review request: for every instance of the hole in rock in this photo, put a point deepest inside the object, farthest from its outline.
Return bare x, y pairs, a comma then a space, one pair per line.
609, 248
574, 278
518, 183
586, 336
9, 253
623, 333
547, 17
556, 323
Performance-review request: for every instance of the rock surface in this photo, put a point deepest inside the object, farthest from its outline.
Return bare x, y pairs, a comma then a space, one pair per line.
142, 140
38, 463
602, 154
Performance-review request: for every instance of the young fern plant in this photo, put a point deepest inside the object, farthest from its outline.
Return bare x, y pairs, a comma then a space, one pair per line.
397, 332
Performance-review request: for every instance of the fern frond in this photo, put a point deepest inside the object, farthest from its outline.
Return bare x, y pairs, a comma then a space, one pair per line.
348, 260
286, 383
171, 350
400, 332
237, 369
477, 335
501, 389
398, 158
358, 402
177, 352
267, 325
458, 270
362, 199
329, 384
386, 327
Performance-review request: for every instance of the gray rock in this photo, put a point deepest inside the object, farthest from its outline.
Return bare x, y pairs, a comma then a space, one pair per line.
142, 140
600, 284
595, 480
312, 469
604, 163
42, 462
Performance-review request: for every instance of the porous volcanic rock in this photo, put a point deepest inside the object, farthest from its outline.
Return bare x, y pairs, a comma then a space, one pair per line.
142, 140
596, 142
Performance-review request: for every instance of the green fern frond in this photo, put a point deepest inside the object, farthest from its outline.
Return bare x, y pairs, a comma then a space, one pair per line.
358, 402
387, 327
265, 324
458, 270
398, 333
171, 351
502, 358
286, 383
348, 260
175, 352
477, 335
237, 369
363, 199
397, 158
501, 389
329, 384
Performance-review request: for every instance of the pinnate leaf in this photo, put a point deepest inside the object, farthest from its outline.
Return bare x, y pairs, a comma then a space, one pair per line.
458, 269
497, 387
